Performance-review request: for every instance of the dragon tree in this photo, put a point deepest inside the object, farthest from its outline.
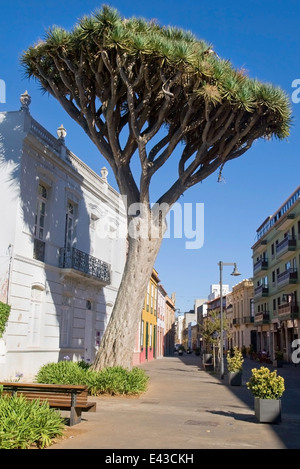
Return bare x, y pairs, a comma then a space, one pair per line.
146, 92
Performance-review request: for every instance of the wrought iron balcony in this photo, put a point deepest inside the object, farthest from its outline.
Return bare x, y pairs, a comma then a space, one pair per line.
285, 246
262, 318
236, 321
288, 311
287, 277
261, 264
248, 319
261, 290
84, 264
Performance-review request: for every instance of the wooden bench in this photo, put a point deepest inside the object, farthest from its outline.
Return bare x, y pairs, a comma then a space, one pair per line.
59, 396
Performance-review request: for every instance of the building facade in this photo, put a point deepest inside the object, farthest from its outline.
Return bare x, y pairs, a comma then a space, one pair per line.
161, 314
241, 319
62, 250
276, 263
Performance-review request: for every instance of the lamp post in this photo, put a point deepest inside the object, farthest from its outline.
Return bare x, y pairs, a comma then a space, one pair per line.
235, 273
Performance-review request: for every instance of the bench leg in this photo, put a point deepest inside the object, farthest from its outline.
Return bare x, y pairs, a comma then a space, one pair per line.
75, 416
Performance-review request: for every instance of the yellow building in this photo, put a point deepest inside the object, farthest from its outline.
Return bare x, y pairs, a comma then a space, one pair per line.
148, 326
241, 317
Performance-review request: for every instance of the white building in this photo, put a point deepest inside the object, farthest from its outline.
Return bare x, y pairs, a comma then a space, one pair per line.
62, 247
215, 291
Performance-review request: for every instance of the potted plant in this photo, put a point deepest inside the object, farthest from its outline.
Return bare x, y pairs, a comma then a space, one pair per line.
278, 359
235, 362
267, 388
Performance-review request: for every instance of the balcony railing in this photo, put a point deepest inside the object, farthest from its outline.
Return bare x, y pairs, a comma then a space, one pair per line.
288, 311
261, 290
287, 244
72, 258
236, 321
261, 264
248, 319
262, 318
287, 277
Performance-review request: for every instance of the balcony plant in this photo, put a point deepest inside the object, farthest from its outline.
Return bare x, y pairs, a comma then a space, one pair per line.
267, 388
235, 366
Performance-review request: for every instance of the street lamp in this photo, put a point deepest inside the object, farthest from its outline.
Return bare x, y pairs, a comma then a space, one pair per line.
235, 273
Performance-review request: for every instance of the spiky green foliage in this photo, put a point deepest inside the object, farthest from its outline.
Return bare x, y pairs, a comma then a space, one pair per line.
26, 423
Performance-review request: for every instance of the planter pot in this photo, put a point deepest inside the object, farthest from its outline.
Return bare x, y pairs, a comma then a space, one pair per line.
267, 410
235, 378
207, 358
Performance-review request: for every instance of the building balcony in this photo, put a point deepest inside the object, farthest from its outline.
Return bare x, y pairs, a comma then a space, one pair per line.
236, 321
287, 277
77, 263
288, 311
261, 290
285, 246
248, 319
286, 222
262, 318
262, 264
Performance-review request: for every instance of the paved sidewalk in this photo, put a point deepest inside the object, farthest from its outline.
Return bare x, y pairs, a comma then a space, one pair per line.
186, 408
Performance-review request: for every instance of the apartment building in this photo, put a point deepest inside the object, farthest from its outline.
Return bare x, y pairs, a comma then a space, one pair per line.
276, 262
62, 247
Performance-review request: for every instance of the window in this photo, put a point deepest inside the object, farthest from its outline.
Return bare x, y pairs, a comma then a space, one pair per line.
142, 334
40, 213
39, 224
34, 322
66, 321
69, 230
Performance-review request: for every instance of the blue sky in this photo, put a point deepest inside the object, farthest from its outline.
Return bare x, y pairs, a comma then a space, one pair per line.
261, 36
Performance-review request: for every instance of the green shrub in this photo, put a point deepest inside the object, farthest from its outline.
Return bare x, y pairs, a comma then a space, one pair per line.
112, 380
4, 315
265, 384
26, 423
63, 372
118, 380
235, 362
